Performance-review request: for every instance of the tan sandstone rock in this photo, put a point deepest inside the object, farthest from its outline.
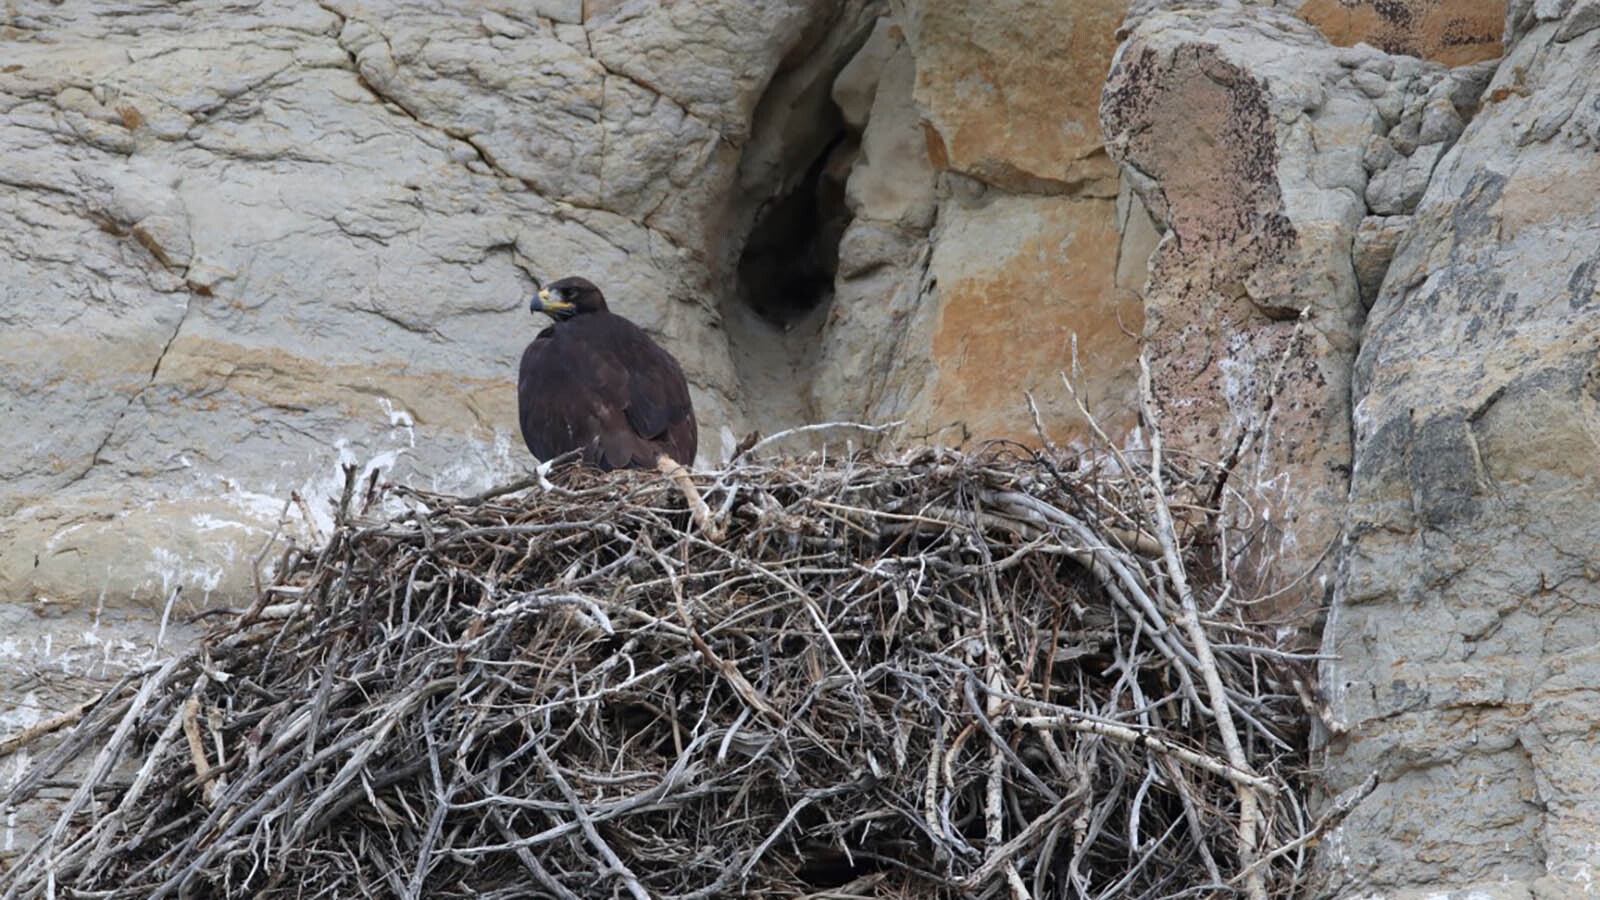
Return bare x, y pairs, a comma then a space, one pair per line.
984, 238
1014, 307
1006, 93
1240, 130
1453, 32
250, 243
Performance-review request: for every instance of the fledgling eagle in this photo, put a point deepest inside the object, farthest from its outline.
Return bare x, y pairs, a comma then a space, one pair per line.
594, 381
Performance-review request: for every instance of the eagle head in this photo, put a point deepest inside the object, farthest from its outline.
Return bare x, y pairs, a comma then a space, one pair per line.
567, 298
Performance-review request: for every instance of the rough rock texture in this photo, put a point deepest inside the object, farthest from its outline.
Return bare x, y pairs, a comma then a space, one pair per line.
984, 208
1240, 130
1453, 32
1284, 173
1003, 92
1463, 627
251, 243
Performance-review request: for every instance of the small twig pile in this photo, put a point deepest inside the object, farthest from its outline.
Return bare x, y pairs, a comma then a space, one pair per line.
943, 675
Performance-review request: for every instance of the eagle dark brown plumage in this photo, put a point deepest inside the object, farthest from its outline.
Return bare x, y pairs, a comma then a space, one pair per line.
595, 382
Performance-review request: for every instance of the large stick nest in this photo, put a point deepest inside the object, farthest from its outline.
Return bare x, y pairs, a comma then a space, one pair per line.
944, 675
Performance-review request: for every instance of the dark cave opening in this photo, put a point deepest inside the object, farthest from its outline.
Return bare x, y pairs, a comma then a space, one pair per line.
792, 254
788, 215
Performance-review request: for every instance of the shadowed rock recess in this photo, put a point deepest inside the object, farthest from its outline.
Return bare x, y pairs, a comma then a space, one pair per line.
251, 244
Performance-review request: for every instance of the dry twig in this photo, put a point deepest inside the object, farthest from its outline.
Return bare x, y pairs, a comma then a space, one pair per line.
940, 675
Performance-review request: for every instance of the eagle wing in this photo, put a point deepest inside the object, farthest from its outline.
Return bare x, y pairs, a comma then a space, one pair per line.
551, 423
658, 410
600, 384
658, 394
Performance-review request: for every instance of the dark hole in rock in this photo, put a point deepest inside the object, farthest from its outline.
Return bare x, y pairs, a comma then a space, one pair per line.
792, 254
787, 215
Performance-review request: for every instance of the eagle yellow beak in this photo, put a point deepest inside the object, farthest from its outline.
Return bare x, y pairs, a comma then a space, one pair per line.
547, 303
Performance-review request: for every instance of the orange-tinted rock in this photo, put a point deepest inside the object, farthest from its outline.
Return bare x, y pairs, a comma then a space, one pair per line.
1019, 280
1233, 148
1453, 32
949, 330
1010, 88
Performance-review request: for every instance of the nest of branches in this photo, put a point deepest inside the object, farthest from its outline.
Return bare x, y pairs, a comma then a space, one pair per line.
939, 675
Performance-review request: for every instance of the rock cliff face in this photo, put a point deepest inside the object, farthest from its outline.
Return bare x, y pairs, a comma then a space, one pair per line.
1281, 168
1437, 226
983, 204
1463, 624
1225, 121
1356, 239
250, 246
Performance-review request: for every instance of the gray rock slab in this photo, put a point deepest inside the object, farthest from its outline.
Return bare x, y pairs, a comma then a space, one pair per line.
1463, 626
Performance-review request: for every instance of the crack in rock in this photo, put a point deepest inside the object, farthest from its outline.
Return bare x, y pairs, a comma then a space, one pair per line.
155, 371
383, 97
487, 157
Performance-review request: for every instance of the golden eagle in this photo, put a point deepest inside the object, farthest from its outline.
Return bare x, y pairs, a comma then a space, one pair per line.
595, 382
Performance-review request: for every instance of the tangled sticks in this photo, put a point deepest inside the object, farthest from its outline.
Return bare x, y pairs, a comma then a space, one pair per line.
943, 675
